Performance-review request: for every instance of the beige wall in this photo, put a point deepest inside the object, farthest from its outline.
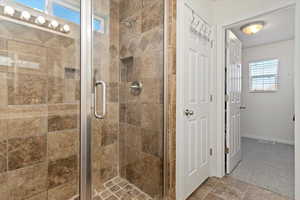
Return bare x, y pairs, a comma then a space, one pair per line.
141, 115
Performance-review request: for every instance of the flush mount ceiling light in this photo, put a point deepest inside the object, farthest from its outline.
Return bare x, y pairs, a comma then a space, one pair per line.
252, 28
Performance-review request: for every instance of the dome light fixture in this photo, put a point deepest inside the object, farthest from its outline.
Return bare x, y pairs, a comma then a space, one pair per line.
253, 27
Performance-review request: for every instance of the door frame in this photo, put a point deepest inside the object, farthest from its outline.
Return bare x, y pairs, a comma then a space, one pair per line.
220, 70
85, 100
179, 126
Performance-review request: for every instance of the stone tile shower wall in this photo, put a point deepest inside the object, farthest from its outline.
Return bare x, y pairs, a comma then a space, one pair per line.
39, 113
141, 116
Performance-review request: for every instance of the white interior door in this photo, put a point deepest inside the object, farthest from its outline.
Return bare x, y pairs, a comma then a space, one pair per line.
233, 90
194, 113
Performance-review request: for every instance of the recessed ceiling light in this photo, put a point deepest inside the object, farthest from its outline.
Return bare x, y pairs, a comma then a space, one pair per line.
252, 28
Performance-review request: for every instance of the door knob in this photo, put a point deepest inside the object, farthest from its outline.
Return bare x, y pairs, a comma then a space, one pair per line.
188, 112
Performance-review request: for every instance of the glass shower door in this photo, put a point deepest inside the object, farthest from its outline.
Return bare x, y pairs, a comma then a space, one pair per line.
39, 99
128, 58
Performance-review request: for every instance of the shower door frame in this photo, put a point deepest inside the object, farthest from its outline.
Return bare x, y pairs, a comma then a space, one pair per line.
86, 102
86, 41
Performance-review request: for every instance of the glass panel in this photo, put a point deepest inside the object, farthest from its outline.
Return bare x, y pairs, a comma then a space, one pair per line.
39, 108
74, 16
127, 149
66, 13
36, 4
99, 25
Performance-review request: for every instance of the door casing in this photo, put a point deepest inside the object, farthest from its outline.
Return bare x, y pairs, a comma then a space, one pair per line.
219, 136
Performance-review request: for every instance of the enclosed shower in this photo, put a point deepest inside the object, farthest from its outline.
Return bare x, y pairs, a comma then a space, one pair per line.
74, 126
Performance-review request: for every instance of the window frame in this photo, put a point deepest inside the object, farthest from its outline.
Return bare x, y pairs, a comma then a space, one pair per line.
49, 10
36, 9
276, 76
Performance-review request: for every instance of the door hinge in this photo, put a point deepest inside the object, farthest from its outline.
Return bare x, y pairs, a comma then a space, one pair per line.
210, 151
226, 97
227, 45
226, 150
211, 44
211, 98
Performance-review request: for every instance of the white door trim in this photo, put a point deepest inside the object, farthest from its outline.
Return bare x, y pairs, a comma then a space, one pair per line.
220, 80
179, 51
297, 102
179, 101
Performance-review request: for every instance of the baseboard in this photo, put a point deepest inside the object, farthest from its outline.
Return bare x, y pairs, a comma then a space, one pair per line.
268, 139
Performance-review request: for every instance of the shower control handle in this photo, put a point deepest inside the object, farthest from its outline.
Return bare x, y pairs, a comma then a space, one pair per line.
102, 115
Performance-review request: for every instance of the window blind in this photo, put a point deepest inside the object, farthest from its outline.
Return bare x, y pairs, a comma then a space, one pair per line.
263, 75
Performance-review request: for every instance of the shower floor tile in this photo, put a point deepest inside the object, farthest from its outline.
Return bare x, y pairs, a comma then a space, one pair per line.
120, 189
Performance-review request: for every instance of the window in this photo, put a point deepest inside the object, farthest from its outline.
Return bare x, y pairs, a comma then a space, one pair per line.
99, 25
64, 11
36, 4
74, 16
263, 75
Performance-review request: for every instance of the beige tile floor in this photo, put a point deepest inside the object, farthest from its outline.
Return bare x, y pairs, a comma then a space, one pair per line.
229, 188
226, 188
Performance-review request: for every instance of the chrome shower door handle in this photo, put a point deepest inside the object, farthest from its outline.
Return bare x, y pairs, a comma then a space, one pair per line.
102, 115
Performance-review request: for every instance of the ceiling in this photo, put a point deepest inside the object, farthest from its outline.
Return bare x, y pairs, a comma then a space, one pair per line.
280, 25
